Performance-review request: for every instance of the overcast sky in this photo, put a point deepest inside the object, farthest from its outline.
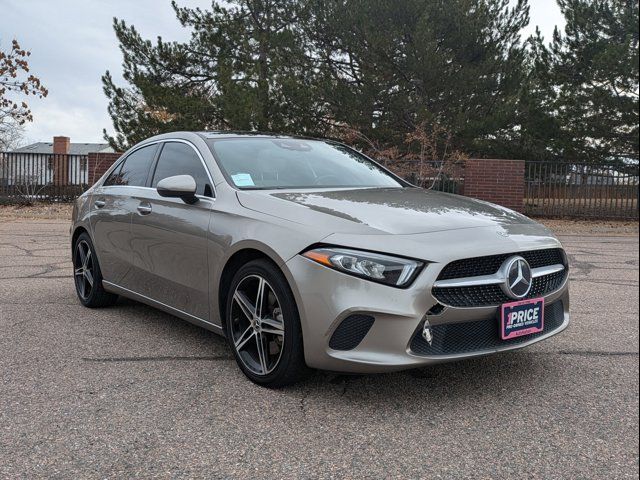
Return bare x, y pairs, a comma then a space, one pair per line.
72, 44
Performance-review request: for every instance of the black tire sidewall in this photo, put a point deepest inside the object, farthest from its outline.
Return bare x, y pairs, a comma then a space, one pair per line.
97, 274
292, 347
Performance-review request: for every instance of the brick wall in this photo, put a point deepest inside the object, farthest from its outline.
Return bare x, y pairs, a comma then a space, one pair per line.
495, 181
99, 163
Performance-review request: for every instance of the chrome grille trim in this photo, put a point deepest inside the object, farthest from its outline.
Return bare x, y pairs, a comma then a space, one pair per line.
496, 278
480, 281
487, 265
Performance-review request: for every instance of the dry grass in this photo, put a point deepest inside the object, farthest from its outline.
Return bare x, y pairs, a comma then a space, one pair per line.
48, 211
591, 227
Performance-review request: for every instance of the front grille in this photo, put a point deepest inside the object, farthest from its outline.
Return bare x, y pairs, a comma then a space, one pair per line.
473, 267
487, 295
350, 332
546, 284
468, 337
492, 294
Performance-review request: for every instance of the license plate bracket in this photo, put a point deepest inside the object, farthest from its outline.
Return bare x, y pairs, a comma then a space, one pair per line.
523, 317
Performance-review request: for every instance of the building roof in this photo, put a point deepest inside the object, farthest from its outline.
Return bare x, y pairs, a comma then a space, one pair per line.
74, 148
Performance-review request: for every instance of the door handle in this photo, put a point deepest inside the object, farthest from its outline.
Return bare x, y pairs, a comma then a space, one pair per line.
99, 203
144, 208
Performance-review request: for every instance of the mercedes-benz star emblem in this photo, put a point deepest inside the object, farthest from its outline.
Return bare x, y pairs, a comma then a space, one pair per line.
517, 275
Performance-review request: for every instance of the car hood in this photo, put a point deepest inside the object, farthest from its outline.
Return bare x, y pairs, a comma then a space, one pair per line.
381, 210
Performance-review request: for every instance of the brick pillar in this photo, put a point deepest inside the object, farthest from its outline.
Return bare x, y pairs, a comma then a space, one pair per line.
99, 163
495, 181
61, 160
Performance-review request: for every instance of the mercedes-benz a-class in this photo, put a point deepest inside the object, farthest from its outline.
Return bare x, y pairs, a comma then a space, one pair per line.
306, 254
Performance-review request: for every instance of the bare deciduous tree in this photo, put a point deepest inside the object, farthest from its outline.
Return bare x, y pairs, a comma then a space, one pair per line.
435, 154
427, 157
11, 135
29, 184
16, 82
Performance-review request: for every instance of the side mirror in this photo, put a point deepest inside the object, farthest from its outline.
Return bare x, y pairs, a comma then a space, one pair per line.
178, 186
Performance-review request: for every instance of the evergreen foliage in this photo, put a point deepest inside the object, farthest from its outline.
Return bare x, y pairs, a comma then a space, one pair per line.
387, 69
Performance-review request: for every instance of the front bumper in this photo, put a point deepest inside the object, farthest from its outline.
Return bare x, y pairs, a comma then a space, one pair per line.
326, 297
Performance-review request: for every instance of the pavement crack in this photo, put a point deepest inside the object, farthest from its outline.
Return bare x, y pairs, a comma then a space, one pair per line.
582, 267
64, 304
21, 322
603, 282
596, 353
343, 381
303, 403
212, 358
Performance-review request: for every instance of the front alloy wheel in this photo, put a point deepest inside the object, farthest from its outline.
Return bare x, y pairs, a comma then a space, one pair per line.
257, 326
263, 327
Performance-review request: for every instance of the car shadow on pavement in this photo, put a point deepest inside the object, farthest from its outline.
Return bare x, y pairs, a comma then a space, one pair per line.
484, 376
521, 371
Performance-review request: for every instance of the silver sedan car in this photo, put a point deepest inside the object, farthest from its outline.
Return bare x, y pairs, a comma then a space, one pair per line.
305, 254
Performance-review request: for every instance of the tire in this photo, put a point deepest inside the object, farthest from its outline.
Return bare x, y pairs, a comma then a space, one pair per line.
276, 327
87, 275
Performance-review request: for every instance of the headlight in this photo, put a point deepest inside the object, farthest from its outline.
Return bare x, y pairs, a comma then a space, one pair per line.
394, 271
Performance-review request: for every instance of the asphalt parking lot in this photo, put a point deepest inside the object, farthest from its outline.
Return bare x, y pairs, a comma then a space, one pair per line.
130, 391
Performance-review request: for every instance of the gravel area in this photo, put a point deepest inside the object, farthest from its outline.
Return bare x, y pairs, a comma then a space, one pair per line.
129, 391
44, 211
591, 227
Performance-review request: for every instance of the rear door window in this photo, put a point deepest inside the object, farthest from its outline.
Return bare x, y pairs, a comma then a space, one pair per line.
181, 159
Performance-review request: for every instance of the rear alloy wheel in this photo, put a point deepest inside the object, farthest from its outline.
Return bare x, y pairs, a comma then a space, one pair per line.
87, 275
83, 271
263, 327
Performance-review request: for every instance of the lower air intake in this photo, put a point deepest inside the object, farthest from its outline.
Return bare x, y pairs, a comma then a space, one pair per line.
350, 332
469, 337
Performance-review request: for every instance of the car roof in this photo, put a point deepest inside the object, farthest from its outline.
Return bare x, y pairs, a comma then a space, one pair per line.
214, 134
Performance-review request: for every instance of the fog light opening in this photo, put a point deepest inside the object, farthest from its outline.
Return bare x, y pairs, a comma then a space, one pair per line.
437, 309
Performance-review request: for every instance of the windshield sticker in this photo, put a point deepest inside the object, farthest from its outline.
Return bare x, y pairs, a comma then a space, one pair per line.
242, 180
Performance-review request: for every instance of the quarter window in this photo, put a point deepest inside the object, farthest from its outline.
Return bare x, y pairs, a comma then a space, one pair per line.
114, 176
181, 159
135, 169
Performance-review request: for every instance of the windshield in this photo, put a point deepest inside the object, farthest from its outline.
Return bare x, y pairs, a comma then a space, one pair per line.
267, 163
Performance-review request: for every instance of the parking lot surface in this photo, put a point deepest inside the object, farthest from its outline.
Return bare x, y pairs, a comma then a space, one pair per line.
130, 391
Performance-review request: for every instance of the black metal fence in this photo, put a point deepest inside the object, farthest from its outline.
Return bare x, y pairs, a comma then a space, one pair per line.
581, 191
551, 189
42, 177
443, 178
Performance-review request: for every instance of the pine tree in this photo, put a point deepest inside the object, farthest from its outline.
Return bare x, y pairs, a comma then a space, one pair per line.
389, 67
536, 132
385, 69
244, 68
594, 69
